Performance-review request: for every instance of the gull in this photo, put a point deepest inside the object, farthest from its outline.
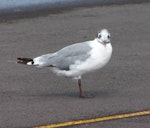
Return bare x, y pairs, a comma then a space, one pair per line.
76, 59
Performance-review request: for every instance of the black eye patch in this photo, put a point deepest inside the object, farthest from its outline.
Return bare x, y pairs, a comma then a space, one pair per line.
108, 36
99, 35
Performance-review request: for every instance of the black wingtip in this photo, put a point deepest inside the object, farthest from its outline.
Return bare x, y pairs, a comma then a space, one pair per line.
24, 60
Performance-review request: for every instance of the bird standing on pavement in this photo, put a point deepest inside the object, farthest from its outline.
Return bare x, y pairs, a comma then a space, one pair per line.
76, 59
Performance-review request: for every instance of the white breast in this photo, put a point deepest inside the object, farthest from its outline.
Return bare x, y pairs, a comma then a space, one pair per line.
100, 54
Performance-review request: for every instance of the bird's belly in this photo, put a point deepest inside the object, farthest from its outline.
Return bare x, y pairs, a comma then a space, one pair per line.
93, 63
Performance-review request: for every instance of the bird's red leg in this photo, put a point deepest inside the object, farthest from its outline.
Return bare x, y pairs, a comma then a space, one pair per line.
82, 95
80, 88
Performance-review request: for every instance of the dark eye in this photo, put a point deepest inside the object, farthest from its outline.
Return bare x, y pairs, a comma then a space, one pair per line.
108, 36
99, 36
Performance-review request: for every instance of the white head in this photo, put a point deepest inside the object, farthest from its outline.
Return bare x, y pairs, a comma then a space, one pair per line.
103, 36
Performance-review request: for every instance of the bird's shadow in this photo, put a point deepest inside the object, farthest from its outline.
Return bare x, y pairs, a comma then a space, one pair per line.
105, 93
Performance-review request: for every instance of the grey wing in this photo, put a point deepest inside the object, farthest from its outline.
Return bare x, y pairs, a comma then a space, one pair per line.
68, 55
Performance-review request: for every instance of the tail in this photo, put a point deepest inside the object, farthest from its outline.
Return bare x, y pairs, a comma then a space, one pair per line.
27, 61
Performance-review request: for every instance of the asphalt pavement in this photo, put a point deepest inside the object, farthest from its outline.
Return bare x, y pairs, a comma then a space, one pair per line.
32, 96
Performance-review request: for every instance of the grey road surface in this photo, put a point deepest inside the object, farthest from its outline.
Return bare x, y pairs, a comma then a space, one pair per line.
31, 97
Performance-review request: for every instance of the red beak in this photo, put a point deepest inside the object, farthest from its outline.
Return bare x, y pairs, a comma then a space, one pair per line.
105, 43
